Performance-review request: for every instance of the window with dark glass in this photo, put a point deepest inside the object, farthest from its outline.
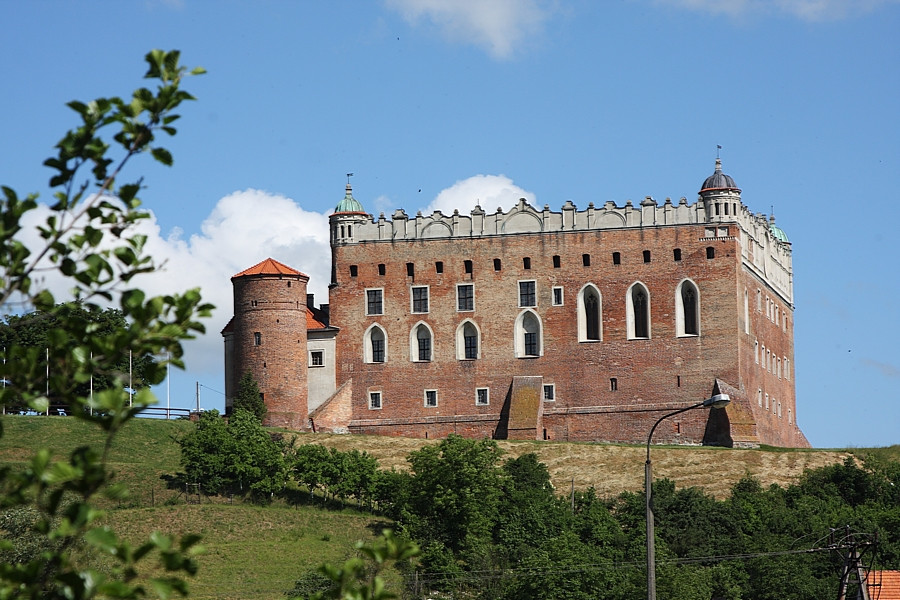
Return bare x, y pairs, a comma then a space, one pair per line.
646, 256
677, 253
557, 296
556, 261
354, 270
439, 267
617, 258
482, 397
317, 358
465, 297
710, 252
374, 399
496, 264
376, 339
527, 296
374, 302
257, 338
592, 315
410, 270
420, 299
430, 397
381, 269
470, 341
423, 339
526, 262
689, 304
586, 260
641, 318
549, 392
467, 265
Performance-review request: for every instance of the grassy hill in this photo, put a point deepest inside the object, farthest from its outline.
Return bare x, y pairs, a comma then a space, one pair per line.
258, 552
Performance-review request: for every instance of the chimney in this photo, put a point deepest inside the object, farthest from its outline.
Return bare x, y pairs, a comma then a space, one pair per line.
310, 302
325, 310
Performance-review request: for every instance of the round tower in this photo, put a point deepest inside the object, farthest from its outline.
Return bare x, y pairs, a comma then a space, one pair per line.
721, 197
348, 215
269, 339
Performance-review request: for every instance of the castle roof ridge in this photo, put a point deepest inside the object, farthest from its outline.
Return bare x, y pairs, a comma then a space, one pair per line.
269, 266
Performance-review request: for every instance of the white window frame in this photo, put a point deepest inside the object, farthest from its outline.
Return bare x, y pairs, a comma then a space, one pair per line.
366, 300
316, 351
487, 396
412, 301
582, 313
629, 311
367, 344
380, 399
459, 285
552, 387
414, 342
425, 398
679, 308
562, 296
519, 342
461, 340
519, 293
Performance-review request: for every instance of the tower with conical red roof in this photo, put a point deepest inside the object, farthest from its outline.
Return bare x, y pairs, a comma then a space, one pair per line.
268, 338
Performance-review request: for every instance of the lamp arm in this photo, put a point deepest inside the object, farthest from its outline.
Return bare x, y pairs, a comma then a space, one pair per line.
666, 416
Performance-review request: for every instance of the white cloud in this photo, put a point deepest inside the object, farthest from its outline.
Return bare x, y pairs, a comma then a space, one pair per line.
499, 26
807, 10
488, 191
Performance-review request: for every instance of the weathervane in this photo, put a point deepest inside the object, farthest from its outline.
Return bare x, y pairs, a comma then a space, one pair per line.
718, 147
349, 175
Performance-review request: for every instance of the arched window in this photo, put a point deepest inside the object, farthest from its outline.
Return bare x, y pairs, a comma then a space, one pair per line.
468, 341
637, 311
420, 349
375, 345
687, 309
529, 338
590, 314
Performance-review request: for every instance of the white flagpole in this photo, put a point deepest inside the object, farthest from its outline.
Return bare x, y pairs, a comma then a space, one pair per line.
130, 389
47, 379
167, 385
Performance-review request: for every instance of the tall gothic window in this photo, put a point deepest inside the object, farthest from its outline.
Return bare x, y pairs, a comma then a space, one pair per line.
637, 309
528, 335
423, 343
375, 345
589, 314
687, 309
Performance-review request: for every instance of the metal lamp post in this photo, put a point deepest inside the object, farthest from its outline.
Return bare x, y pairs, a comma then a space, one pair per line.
717, 401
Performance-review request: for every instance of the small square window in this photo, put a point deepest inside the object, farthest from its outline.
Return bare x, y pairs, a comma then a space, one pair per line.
431, 398
677, 253
556, 262
646, 256
439, 267
586, 260
354, 270
549, 392
527, 295
526, 263
374, 400
381, 269
557, 296
613, 384
710, 252
497, 264
420, 299
467, 265
617, 258
482, 396
317, 358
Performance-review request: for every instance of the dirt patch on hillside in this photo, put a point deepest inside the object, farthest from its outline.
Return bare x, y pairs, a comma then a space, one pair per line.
612, 469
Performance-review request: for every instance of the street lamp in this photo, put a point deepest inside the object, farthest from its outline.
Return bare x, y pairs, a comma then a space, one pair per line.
717, 401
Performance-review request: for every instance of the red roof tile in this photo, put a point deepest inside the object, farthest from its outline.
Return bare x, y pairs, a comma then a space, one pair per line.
312, 322
884, 585
270, 267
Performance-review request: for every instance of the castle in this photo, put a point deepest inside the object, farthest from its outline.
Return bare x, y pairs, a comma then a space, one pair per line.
532, 324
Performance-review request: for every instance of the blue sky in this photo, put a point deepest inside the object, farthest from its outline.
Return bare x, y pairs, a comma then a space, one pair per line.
436, 103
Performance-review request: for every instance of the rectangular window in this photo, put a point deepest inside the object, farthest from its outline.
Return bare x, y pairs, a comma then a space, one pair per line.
557, 296
710, 232
646, 256
375, 302
374, 400
467, 265
586, 260
377, 350
617, 258
354, 270
613, 384
677, 253
410, 270
470, 346
497, 264
430, 397
317, 358
756, 351
556, 262
549, 392
420, 299
257, 338
723, 231
482, 396
465, 297
527, 296
381, 269
526, 263
531, 344
439, 267
759, 396
424, 348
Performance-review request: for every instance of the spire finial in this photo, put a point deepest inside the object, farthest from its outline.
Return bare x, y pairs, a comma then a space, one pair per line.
718, 147
349, 175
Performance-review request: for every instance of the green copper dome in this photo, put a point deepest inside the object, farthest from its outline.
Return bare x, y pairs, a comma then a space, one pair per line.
777, 231
349, 204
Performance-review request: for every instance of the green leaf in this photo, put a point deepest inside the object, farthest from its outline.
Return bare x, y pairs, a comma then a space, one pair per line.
162, 155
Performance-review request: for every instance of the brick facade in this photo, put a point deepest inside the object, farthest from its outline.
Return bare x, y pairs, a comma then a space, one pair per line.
481, 325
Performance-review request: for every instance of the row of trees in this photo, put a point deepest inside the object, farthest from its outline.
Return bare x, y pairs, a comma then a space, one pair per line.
494, 527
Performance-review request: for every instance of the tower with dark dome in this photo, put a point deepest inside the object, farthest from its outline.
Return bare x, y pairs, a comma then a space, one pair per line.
721, 197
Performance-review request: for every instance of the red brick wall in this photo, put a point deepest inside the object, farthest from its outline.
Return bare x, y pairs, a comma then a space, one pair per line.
275, 306
654, 375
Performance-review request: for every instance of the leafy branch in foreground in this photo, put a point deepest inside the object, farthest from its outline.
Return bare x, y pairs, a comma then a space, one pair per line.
88, 239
